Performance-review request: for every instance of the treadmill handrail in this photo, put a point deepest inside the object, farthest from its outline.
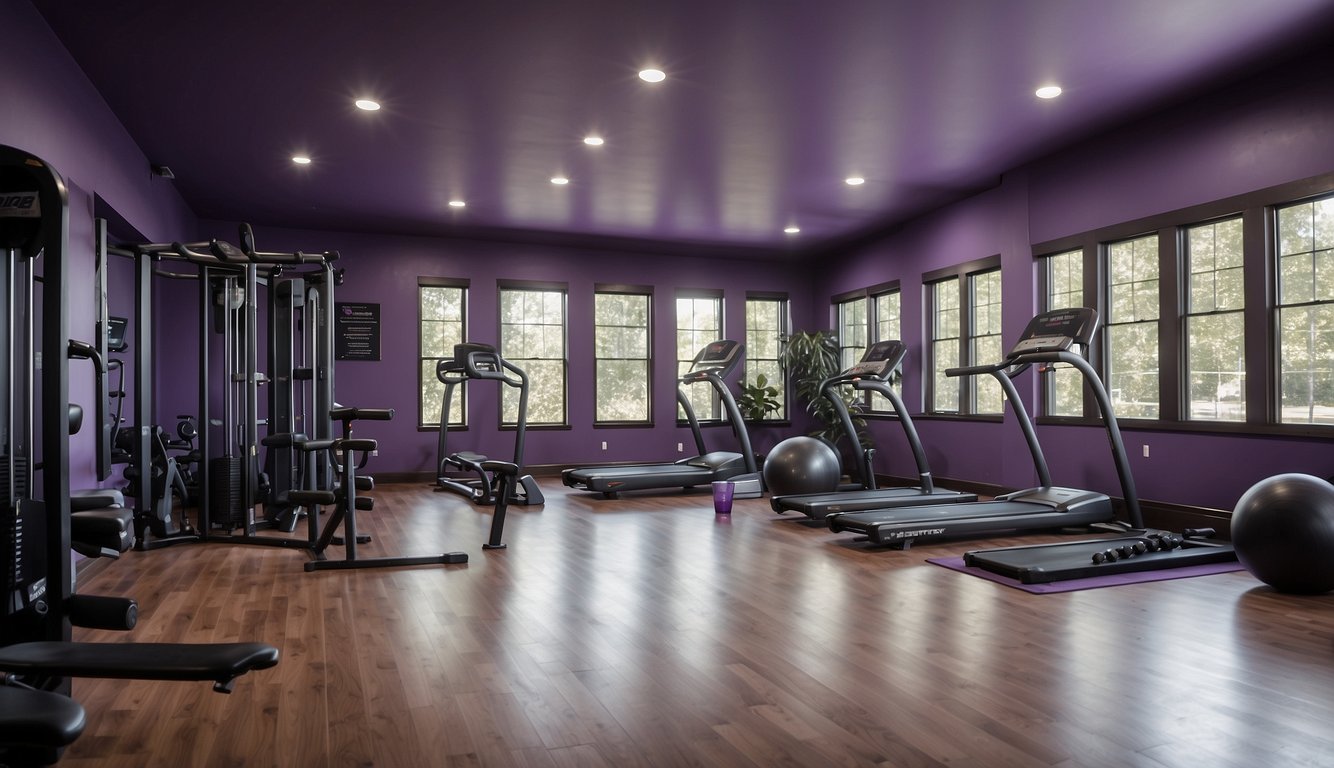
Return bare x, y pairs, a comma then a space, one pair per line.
924, 479
1113, 429
1017, 363
734, 417
867, 476
1004, 373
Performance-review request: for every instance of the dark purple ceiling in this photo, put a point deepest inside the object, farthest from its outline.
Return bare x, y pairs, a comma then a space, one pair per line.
767, 107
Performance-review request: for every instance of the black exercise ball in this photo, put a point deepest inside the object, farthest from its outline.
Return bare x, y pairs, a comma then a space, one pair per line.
1283, 531
801, 465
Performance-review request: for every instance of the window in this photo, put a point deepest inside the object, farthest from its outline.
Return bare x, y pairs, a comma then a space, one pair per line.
766, 327
886, 316
1064, 276
1306, 312
851, 331
1219, 320
964, 327
985, 345
699, 320
1215, 322
945, 334
532, 337
621, 354
441, 309
886, 307
1132, 327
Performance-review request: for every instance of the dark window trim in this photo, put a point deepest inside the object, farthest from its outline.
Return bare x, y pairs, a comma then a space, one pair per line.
439, 282
784, 330
538, 285
719, 295
699, 293
962, 273
443, 282
1257, 209
624, 290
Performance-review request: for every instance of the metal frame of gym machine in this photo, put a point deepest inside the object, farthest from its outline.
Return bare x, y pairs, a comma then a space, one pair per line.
37, 658
222, 266
300, 352
473, 361
872, 373
1044, 507
141, 397
715, 361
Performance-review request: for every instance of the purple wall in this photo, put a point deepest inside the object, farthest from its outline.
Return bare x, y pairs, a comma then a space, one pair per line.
1276, 128
384, 270
51, 110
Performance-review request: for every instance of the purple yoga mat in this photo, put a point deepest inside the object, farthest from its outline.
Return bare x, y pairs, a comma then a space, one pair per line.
1074, 585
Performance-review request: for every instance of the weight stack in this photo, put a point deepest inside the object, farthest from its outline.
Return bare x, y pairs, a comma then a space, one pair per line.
224, 493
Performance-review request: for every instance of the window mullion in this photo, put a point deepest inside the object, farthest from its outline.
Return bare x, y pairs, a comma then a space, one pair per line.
1172, 387
1260, 291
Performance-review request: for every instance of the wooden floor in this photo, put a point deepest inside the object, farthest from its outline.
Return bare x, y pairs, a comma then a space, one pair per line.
647, 632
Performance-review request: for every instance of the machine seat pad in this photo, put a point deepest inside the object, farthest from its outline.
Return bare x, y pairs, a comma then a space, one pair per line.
219, 662
306, 498
38, 718
95, 498
102, 528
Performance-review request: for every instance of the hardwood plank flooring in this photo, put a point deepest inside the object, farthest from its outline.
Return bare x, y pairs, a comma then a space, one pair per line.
644, 631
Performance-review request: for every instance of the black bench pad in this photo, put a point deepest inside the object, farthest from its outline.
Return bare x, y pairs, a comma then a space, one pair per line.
38, 718
104, 528
220, 662
95, 498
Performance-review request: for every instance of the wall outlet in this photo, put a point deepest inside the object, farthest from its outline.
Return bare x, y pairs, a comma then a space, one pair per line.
680, 448
375, 452
1146, 450
604, 445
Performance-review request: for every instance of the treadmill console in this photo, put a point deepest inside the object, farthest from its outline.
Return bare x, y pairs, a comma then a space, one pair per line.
717, 356
1057, 330
879, 360
116, 341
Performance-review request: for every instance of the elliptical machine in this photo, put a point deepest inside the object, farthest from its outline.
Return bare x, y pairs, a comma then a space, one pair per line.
463, 472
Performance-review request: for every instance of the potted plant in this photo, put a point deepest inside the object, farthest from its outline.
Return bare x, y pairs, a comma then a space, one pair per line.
759, 399
811, 357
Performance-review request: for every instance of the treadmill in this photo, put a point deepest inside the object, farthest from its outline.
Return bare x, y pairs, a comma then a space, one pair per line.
873, 373
466, 472
1048, 339
714, 362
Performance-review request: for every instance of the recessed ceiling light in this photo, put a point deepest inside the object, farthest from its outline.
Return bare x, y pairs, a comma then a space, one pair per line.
367, 104
854, 181
652, 75
1048, 92
559, 180
593, 141
456, 204
301, 159
791, 230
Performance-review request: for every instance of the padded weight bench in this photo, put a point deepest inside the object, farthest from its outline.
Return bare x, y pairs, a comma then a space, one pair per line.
220, 662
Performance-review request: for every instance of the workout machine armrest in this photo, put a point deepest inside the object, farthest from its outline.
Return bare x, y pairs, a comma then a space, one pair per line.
350, 414
503, 467
363, 444
220, 662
